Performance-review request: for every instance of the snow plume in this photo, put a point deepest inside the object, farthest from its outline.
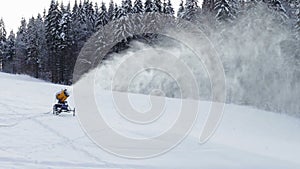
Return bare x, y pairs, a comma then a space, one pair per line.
151, 80
261, 60
259, 55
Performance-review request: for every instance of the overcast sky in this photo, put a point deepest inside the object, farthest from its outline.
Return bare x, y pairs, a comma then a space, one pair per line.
13, 10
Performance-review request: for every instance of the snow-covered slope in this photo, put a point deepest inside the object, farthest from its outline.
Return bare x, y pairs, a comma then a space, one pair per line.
31, 137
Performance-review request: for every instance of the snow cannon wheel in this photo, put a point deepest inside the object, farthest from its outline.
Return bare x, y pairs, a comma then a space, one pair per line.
55, 110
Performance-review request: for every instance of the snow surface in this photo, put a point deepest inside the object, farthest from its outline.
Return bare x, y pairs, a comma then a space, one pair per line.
31, 137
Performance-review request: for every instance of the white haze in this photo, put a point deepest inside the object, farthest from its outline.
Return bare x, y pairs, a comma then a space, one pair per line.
258, 54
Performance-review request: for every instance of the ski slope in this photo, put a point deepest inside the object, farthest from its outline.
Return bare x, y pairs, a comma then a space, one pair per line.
32, 138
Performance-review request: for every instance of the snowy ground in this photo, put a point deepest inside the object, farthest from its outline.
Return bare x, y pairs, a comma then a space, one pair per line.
31, 137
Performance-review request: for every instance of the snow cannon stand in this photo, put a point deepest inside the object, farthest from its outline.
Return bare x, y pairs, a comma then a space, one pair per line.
62, 107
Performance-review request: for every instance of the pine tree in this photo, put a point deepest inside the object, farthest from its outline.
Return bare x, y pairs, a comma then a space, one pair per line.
278, 9
21, 47
3, 44
110, 12
8, 63
103, 18
275, 4
97, 11
115, 14
79, 29
181, 10
207, 6
224, 13
157, 6
148, 6
164, 7
128, 6
32, 58
44, 69
123, 32
89, 18
65, 45
65, 33
121, 11
138, 7
138, 10
79, 34
168, 8
191, 7
122, 28
53, 19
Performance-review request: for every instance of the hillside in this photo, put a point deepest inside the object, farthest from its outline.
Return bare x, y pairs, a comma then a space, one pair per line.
31, 137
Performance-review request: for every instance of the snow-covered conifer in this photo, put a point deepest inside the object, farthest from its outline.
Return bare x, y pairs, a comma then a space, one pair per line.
148, 6
224, 12
8, 62
157, 6
21, 47
102, 19
128, 6
168, 8
190, 8
2, 42
180, 12
110, 12
138, 7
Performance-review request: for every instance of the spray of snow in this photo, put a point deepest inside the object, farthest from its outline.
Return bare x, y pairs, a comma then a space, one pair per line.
258, 54
153, 81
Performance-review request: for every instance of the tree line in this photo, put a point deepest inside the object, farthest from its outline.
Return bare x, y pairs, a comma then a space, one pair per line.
47, 46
